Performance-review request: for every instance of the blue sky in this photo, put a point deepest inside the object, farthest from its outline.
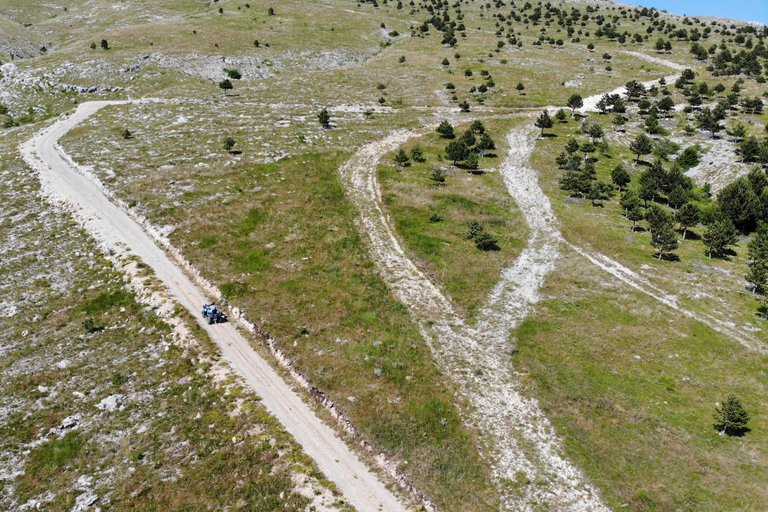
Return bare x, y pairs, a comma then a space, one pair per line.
746, 10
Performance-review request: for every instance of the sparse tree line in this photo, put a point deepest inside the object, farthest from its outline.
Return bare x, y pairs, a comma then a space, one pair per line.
661, 196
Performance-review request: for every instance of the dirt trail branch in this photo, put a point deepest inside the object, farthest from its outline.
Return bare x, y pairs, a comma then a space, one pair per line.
522, 436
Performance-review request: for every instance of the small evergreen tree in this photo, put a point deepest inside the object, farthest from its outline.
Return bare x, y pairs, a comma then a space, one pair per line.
664, 239
485, 144
731, 418
629, 201
474, 229
574, 102
226, 86
477, 127
641, 146
401, 158
456, 151
104, 44
719, 235
635, 215
468, 138
688, 216
228, 144
417, 154
324, 118
471, 161
437, 176
657, 217
620, 177
544, 121
757, 274
445, 130
486, 242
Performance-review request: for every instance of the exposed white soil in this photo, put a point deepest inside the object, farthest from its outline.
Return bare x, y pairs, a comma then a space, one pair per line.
524, 443
113, 227
590, 102
719, 164
642, 284
512, 298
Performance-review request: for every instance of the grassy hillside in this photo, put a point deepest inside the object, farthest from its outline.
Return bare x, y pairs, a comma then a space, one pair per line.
629, 383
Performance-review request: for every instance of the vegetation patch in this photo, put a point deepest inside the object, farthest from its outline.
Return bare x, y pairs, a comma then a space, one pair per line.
464, 228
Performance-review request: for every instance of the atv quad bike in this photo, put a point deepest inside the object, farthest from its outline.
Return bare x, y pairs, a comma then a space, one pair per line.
212, 314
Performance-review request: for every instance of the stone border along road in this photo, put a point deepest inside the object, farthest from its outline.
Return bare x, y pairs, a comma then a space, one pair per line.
108, 223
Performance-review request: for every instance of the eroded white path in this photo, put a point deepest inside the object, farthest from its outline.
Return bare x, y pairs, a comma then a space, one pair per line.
523, 440
518, 288
112, 226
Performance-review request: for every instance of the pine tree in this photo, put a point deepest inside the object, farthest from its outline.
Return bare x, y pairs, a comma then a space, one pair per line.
664, 239
456, 151
757, 276
574, 102
731, 418
677, 198
641, 146
445, 130
471, 162
477, 127
485, 144
688, 216
719, 235
635, 214
401, 158
324, 118
468, 138
620, 177
417, 154
544, 121
658, 217
225, 85
629, 201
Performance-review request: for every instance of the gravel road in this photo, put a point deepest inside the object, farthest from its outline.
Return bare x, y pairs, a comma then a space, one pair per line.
109, 224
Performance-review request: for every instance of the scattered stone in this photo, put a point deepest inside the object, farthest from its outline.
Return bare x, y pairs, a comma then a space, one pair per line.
84, 501
111, 403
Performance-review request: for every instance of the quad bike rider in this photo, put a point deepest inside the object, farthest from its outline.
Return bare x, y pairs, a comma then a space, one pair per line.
212, 314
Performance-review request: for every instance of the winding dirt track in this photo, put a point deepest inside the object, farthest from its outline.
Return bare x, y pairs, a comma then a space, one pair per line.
522, 437
110, 224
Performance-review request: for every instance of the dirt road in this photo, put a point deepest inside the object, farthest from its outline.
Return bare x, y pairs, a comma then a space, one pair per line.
110, 224
522, 437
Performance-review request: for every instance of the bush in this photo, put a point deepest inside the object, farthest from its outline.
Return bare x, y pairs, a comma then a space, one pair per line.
486, 242
474, 229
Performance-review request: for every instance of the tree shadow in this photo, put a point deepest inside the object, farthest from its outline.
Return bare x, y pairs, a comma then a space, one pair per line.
691, 235
549, 135
669, 256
